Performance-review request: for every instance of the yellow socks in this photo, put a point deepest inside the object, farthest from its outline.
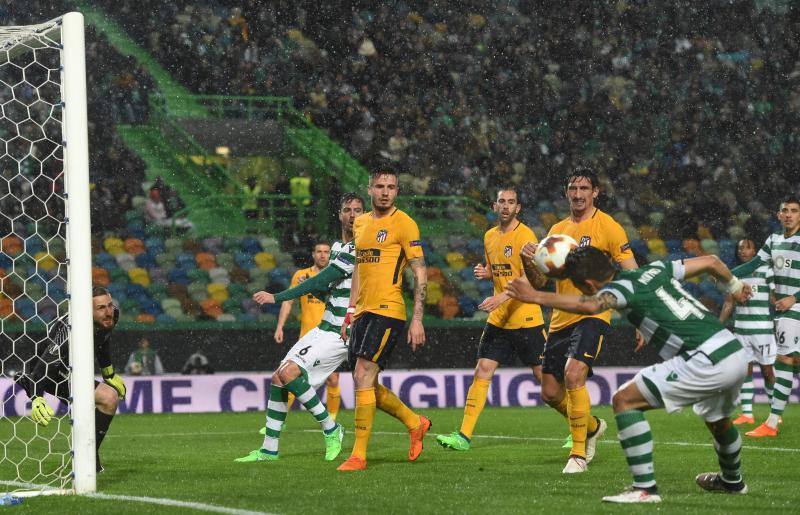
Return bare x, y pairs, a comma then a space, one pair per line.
476, 400
591, 423
334, 398
365, 414
289, 402
578, 410
391, 404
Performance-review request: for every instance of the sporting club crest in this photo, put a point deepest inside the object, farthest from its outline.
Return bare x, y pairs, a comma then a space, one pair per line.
585, 241
507, 251
381, 237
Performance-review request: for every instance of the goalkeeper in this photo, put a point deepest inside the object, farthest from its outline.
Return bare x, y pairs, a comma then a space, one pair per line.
50, 374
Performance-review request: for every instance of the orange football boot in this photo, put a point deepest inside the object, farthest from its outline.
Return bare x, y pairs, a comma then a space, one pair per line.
415, 436
763, 430
352, 464
744, 419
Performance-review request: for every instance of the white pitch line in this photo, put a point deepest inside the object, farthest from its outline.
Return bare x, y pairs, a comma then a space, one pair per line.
173, 502
489, 437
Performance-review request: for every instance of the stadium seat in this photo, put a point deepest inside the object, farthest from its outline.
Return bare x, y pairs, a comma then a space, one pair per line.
114, 245
448, 307
139, 276
219, 275
178, 275
265, 260
100, 276
213, 244
456, 260
146, 260
250, 245
145, 318
45, 261
125, 261
134, 246
225, 260
218, 292
211, 308
205, 260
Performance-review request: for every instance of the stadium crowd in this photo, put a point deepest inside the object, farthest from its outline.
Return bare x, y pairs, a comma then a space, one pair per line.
474, 94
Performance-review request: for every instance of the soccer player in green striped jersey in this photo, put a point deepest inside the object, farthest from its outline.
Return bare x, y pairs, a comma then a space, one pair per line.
754, 326
320, 352
704, 364
781, 252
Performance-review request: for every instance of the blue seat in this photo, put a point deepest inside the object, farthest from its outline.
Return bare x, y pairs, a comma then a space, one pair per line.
179, 276
251, 245
146, 260
467, 306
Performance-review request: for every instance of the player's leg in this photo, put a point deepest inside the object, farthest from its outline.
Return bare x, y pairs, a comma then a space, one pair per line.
276, 416
716, 411
495, 347
768, 373
554, 360
417, 425
365, 374
787, 336
746, 398
630, 402
105, 403
585, 343
333, 394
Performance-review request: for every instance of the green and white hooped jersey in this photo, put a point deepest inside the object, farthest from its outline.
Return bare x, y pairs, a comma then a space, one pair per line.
755, 316
668, 317
783, 255
343, 257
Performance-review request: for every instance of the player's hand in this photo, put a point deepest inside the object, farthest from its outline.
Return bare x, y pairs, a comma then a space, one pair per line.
482, 272
521, 290
113, 380
263, 297
785, 303
41, 412
640, 341
348, 319
528, 250
493, 302
416, 334
279, 335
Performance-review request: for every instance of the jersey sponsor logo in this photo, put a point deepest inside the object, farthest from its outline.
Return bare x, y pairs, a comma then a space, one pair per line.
369, 256
782, 262
585, 241
501, 270
381, 236
415, 243
384, 306
507, 251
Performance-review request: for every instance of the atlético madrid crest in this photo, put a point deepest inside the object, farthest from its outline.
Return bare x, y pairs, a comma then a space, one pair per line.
381, 237
507, 251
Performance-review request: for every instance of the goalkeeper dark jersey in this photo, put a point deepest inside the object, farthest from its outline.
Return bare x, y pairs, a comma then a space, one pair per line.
50, 373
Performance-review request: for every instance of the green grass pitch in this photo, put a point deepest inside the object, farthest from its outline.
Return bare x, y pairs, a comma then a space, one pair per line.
514, 467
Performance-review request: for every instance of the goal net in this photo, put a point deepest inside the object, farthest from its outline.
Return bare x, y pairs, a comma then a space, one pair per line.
45, 256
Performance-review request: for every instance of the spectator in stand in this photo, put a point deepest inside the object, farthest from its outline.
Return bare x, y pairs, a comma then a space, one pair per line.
156, 212
144, 361
197, 364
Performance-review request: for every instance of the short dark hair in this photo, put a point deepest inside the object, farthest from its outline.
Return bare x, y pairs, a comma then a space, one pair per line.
320, 242
349, 197
791, 199
99, 291
588, 262
508, 187
583, 171
383, 170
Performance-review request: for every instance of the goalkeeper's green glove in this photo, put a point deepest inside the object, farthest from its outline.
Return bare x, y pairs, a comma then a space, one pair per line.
113, 380
41, 412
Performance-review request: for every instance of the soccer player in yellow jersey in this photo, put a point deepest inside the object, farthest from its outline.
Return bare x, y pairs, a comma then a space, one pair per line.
386, 240
514, 328
574, 341
311, 310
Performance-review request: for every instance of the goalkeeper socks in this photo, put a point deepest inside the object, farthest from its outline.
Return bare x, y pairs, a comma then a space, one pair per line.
389, 403
475, 402
784, 376
310, 401
637, 444
365, 414
728, 445
746, 396
578, 410
334, 399
276, 415
101, 423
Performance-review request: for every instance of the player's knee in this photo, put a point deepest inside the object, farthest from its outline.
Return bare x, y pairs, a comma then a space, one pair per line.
551, 394
485, 369
333, 380
620, 401
575, 376
364, 376
288, 373
106, 399
719, 427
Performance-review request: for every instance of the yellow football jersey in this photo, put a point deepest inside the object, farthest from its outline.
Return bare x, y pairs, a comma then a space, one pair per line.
600, 231
383, 248
502, 257
311, 308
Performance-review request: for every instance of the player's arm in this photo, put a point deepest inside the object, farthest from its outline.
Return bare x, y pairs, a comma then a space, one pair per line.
314, 285
416, 332
713, 265
283, 316
628, 264
747, 269
110, 376
727, 309
521, 290
532, 273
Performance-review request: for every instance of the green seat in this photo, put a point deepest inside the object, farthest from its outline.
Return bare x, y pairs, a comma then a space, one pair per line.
170, 303
198, 275
225, 260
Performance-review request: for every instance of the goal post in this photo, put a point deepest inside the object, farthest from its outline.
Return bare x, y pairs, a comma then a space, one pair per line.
45, 253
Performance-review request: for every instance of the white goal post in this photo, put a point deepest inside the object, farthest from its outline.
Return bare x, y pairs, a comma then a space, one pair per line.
43, 130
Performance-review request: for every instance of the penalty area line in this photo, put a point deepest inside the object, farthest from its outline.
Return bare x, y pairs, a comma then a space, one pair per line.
175, 503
